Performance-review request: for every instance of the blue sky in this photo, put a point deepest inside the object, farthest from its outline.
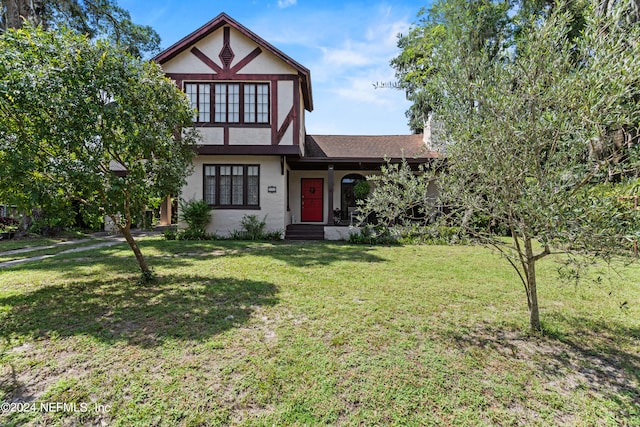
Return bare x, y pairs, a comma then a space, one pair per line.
346, 45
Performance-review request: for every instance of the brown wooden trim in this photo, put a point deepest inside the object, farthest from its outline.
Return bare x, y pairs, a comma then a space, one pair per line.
238, 207
226, 36
245, 185
285, 125
329, 160
226, 135
274, 112
288, 185
232, 125
244, 77
258, 150
206, 60
191, 39
330, 185
244, 61
226, 47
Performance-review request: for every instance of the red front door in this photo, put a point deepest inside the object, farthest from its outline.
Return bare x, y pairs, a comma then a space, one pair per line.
312, 199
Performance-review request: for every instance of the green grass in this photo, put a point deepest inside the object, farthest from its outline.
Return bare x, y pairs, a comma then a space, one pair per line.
51, 247
27, 242
33, 241
315, 333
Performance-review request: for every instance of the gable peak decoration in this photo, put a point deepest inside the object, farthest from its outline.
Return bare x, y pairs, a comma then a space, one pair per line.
225, 22
226, 54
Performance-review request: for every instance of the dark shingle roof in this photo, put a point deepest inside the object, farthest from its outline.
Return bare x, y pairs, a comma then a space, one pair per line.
364, 147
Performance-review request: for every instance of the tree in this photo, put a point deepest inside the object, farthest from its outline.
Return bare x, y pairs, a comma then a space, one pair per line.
87, 122
399, 196
464, 26
93, 18
524, 105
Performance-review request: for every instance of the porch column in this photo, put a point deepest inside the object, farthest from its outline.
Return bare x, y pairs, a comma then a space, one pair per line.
330, 203
165, 211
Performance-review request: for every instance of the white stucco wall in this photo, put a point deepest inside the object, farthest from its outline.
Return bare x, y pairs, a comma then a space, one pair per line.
285, 100
224, 221
211, 136
267, 63
250, 136
186, 62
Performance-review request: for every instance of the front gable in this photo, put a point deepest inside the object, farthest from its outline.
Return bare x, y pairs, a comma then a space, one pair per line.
247, 92
228, 53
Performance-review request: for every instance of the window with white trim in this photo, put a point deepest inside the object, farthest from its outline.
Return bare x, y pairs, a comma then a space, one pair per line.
232, 185
241, 103
199, 95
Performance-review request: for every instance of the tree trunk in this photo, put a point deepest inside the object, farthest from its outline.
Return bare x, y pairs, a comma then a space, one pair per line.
532, 292
16, 12
126, 232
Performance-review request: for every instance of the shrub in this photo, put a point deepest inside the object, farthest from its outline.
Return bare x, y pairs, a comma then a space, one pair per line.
170, 233
274, 235
431, 234
254, 229
197, 215
189, 234
373, 235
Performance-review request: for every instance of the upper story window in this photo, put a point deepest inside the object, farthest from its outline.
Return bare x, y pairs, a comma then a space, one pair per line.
242, 103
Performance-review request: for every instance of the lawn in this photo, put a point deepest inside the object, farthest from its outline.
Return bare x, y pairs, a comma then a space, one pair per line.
311, 334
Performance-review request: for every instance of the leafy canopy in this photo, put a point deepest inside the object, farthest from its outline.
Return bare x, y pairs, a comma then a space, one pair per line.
531, 114
88, 122
97, 19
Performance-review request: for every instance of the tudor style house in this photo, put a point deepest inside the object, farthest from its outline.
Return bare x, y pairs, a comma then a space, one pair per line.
255, 157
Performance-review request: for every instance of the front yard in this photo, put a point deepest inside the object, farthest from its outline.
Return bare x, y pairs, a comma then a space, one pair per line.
313, 333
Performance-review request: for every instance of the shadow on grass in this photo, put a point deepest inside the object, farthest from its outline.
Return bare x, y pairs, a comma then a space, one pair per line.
594, 355
180, 306
171, 254
297, 254
597, 351
309, 254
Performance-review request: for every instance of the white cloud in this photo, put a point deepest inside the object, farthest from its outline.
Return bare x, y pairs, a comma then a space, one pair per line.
346, 56
348, 49
286, 3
